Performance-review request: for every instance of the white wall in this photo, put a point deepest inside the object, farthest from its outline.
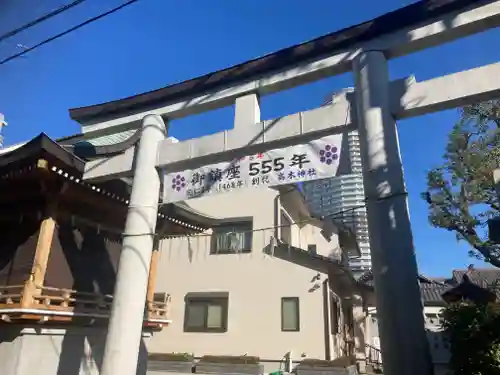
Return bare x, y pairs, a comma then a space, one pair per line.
437, 340
256, 282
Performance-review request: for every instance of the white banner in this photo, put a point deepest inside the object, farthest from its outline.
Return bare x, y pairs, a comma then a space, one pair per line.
311, 161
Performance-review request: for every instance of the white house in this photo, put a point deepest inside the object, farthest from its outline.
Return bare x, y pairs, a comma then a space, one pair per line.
264, 282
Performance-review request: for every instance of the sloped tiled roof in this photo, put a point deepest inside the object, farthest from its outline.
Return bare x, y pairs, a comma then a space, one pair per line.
483, 277
112, 139
367, 278
432, 293
430, 289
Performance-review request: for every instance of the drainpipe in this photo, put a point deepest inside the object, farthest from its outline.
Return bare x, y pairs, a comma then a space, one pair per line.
289, 362
127, 313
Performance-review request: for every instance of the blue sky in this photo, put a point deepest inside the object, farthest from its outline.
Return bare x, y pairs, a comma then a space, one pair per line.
154, 43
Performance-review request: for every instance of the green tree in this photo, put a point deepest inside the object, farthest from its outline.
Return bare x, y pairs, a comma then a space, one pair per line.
473, 332
461, 192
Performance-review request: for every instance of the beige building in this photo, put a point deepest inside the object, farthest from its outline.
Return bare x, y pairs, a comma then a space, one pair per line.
264, 282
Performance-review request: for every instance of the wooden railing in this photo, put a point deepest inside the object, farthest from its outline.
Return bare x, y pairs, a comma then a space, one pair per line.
158, 308
67, 300
11, 294
71, 300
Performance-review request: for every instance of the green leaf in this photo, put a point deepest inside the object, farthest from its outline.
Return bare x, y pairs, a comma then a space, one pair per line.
461, 192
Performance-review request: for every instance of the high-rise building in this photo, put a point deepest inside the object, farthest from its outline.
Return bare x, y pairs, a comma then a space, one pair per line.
343, 198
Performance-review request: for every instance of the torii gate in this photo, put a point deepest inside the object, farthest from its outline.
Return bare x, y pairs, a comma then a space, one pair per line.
372, 109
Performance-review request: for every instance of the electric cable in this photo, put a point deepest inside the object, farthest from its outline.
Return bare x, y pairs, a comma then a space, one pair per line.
70, 30
40, 19
298, 223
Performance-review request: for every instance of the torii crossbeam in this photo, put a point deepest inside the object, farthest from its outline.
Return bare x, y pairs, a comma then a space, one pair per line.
372, 108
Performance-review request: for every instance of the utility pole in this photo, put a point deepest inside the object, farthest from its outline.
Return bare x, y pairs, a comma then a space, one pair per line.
404, 344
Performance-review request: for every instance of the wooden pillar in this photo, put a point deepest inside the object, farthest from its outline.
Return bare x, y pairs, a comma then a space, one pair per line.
153, 268
43, 246
42, 252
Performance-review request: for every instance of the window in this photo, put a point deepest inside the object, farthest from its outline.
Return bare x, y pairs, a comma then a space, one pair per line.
206, 312
349, 319
335, 316
286, 228
232, 237
311, 249
290, 316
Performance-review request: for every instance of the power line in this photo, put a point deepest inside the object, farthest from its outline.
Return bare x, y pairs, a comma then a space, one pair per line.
41, 19
51, 39
336, 215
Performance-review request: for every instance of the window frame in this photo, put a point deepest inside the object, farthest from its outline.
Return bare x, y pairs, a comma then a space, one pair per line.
312, 249
245, 222
335, 311
207, 299
297, 313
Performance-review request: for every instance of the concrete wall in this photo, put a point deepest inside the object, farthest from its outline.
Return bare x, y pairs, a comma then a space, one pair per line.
255, 281
75, 351
437, 340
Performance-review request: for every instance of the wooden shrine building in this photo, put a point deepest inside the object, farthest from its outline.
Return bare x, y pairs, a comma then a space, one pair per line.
60, 237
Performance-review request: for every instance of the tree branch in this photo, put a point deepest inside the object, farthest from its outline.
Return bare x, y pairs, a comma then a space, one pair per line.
459, 189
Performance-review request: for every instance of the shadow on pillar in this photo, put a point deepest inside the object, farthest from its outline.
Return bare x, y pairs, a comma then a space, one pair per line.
387, 265
345, 164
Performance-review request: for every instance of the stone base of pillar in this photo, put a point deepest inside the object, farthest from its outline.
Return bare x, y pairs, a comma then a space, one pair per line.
55, 351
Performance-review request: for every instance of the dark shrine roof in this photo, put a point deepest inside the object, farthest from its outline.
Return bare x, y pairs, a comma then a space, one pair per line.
485, 278
388, 23
63, 160
41, 147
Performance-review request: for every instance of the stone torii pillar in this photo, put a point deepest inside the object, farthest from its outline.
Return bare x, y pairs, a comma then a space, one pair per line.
405, 349
127, 314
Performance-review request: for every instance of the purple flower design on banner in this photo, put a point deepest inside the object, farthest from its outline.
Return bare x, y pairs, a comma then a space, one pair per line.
329, 154
178, 183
